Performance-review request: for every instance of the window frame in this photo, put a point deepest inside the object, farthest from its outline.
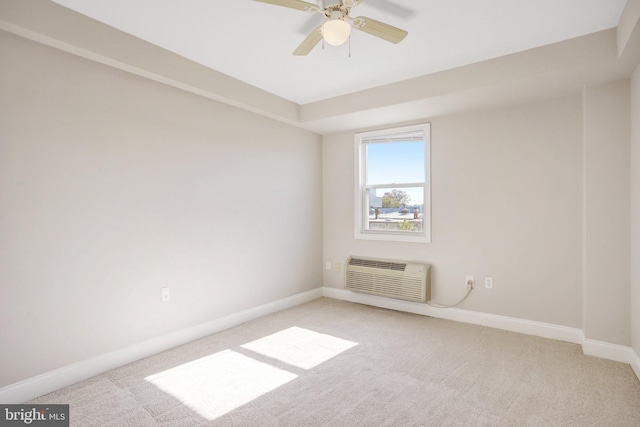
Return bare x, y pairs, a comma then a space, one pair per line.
362, 188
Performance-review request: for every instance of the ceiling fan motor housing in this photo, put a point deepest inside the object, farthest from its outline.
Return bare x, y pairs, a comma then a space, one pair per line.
335, 11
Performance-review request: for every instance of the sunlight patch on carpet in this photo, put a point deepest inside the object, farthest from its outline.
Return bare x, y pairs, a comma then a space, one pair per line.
300, 347
215, 385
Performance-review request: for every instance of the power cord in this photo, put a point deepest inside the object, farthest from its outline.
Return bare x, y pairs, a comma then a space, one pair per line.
469, 289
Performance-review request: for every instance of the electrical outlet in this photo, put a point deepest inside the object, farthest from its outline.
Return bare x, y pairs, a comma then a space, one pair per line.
469, 281
338, 267
327, 265
488, 282
165, 294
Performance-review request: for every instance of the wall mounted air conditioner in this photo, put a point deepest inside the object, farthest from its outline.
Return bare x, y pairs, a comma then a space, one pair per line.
394, 279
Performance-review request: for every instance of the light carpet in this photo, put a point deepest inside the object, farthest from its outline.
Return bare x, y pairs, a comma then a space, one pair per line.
334, 363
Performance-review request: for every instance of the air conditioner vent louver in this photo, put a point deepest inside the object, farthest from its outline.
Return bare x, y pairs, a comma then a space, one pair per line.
384, 265
395, 279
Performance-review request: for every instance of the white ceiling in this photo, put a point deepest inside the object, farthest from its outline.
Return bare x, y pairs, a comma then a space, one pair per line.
253, 41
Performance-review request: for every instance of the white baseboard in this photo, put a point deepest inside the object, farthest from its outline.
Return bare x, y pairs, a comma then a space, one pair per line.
50, 381
635, 363
529, 327
605, 350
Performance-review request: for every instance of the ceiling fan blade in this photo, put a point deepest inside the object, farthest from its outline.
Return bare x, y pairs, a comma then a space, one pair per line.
309, 43
379, 29
293, 4
351, 3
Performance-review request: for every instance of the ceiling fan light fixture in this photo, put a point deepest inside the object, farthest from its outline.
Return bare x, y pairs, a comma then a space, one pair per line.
336, 31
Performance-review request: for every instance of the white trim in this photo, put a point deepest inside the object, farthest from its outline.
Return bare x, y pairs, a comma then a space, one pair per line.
530, 327
635, 363
53, 380
605, 350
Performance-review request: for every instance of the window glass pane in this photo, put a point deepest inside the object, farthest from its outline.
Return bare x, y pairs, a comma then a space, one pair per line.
395, 162
396, 209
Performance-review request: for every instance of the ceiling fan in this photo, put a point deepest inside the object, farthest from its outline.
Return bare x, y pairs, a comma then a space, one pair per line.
336, 29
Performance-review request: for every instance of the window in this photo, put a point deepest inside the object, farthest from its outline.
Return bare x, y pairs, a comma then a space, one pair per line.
393, 194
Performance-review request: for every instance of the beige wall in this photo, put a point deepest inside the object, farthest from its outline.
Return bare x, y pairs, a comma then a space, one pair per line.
113, 186
606, 139
635, 210
507, 203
